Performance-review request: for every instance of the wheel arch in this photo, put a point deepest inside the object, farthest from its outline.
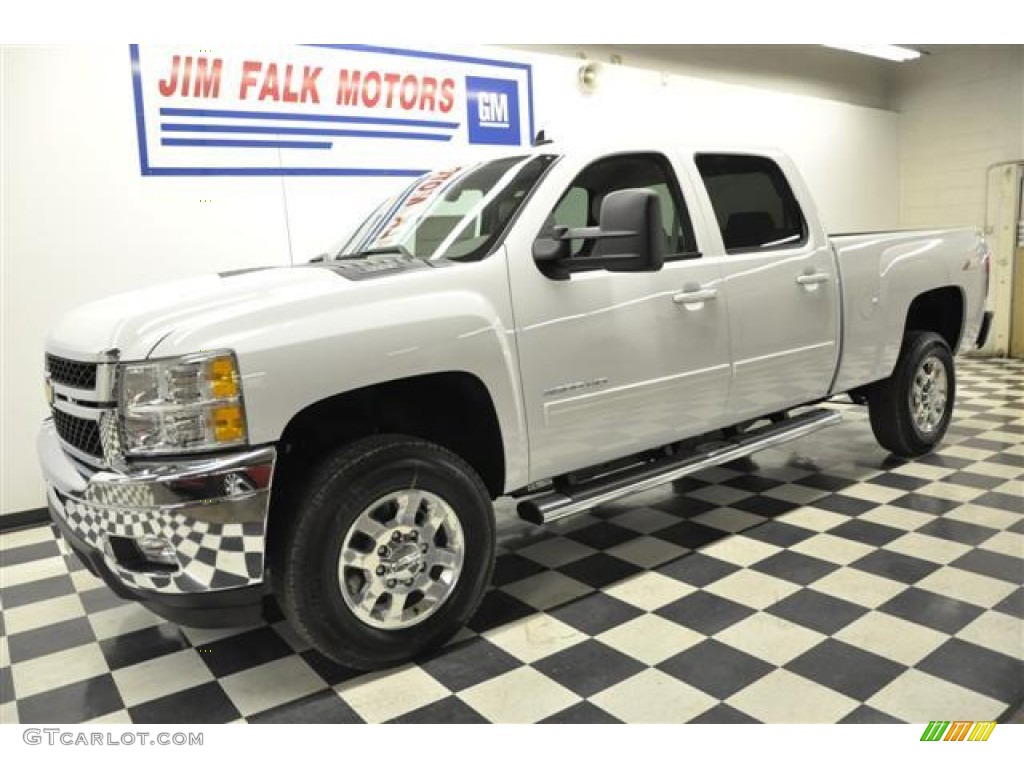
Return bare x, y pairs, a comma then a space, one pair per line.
453, 409
940, 310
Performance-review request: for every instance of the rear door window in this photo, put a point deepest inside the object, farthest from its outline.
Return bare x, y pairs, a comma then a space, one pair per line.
754, 205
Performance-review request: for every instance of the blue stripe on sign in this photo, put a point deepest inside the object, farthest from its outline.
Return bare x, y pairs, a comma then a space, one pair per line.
246, 143
216, 128
140, 119
380, 172
248, 115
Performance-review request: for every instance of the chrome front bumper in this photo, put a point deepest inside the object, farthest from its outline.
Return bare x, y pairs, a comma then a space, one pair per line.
206, 518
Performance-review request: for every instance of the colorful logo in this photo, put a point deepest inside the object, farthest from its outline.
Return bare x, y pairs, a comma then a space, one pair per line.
958, 730
492, 111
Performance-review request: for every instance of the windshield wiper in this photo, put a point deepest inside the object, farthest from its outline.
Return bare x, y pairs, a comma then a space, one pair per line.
390, 249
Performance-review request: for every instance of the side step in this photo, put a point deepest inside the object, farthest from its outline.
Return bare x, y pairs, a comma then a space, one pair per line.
554, 505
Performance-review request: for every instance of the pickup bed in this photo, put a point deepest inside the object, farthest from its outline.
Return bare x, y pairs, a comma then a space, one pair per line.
564, 326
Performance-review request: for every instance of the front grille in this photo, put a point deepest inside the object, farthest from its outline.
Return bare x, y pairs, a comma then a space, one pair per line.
71, 372
83, 434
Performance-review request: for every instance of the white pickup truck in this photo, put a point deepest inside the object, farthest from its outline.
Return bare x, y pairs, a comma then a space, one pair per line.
563, 326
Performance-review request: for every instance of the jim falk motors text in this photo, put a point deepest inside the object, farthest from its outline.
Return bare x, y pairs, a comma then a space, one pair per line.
201, 77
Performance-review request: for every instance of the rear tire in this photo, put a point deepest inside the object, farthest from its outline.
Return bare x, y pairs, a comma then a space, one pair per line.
911, 410
389, 551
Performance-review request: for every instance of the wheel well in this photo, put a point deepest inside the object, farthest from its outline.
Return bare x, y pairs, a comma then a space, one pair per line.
940, 310
452, 409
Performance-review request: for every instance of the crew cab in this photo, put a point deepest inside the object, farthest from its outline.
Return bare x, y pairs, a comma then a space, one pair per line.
564, 325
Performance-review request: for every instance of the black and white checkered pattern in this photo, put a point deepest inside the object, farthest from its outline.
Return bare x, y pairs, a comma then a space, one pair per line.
820, 582
211, 555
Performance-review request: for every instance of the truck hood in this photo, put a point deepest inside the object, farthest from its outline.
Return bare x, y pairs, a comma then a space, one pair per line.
134, 323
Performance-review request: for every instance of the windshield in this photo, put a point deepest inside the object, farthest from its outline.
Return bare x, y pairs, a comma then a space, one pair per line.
459, 213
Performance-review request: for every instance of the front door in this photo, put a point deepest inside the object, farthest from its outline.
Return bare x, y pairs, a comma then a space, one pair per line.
615, 363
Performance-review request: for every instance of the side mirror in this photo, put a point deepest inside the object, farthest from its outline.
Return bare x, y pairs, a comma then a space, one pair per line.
629, 238
632, 232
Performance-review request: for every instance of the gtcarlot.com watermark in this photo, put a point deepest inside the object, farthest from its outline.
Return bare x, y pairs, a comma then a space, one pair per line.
72, 738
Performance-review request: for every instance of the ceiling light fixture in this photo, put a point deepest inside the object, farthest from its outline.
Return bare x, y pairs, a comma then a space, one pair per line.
888, 52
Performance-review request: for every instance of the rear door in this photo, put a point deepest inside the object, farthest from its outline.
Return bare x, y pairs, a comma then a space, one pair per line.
615, 363
780, 276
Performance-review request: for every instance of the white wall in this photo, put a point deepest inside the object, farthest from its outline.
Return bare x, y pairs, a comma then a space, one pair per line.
80, 222
806, 70
961, 110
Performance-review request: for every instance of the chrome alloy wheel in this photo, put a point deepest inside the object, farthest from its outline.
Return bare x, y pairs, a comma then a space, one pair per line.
928, 393
401, 559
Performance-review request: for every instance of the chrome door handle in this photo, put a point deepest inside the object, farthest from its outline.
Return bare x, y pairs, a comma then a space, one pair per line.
692, 297
813, 279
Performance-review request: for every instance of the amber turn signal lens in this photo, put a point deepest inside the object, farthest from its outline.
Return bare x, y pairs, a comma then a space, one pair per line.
223, 378
228, 424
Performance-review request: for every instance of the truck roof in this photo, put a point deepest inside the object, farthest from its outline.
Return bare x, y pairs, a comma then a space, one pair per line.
644, 142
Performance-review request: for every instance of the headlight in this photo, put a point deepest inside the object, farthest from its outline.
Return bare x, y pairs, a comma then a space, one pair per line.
182, 404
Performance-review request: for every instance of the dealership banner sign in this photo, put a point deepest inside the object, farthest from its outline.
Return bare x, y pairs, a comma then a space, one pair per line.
351, 110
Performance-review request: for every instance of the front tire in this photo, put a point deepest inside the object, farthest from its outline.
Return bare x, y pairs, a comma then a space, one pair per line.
911, 410
388, 553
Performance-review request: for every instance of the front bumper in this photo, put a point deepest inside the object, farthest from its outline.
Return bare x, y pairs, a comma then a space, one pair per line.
206, 517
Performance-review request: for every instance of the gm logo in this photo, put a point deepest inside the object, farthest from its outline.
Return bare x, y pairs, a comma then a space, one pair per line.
493, 111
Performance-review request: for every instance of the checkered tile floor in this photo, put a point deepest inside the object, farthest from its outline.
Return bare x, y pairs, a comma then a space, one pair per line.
822, 582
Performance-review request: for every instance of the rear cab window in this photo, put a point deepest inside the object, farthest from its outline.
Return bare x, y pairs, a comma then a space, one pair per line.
754, 205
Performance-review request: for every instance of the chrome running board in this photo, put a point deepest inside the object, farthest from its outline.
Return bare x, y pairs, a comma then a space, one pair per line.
557, 504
